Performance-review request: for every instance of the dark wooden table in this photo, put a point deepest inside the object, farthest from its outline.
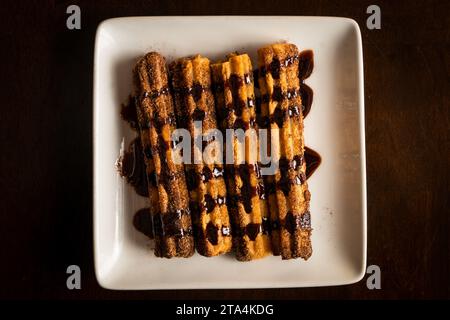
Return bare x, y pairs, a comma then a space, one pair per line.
46, 138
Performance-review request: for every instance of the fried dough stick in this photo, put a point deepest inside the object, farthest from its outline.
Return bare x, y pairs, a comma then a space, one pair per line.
280, 90
235, 104
172, 225
191, 83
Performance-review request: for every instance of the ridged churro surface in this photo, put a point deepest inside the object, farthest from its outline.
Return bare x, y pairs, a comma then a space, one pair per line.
194, 104
235, 104
280, 96
172, 224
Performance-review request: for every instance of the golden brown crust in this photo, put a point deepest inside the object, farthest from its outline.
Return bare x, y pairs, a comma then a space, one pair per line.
280, 88
191, 82
235, 104
173, 227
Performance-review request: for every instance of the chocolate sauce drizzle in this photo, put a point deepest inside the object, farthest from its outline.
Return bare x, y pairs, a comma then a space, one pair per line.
238, 105
306, 94
155, 93
291, 223
247, 191
275, 66
198, 115
132, 167
142, 221
300, 221
313, 161
170, 224
128, 112
253, 229
211, 230
193, 178
281, 115
212, 233
210, 203
306, 65
195, 91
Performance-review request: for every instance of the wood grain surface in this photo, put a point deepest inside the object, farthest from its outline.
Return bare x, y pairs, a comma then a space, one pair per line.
46, 138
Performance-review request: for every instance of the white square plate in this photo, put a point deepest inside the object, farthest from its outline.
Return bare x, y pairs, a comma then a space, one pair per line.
335, 128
